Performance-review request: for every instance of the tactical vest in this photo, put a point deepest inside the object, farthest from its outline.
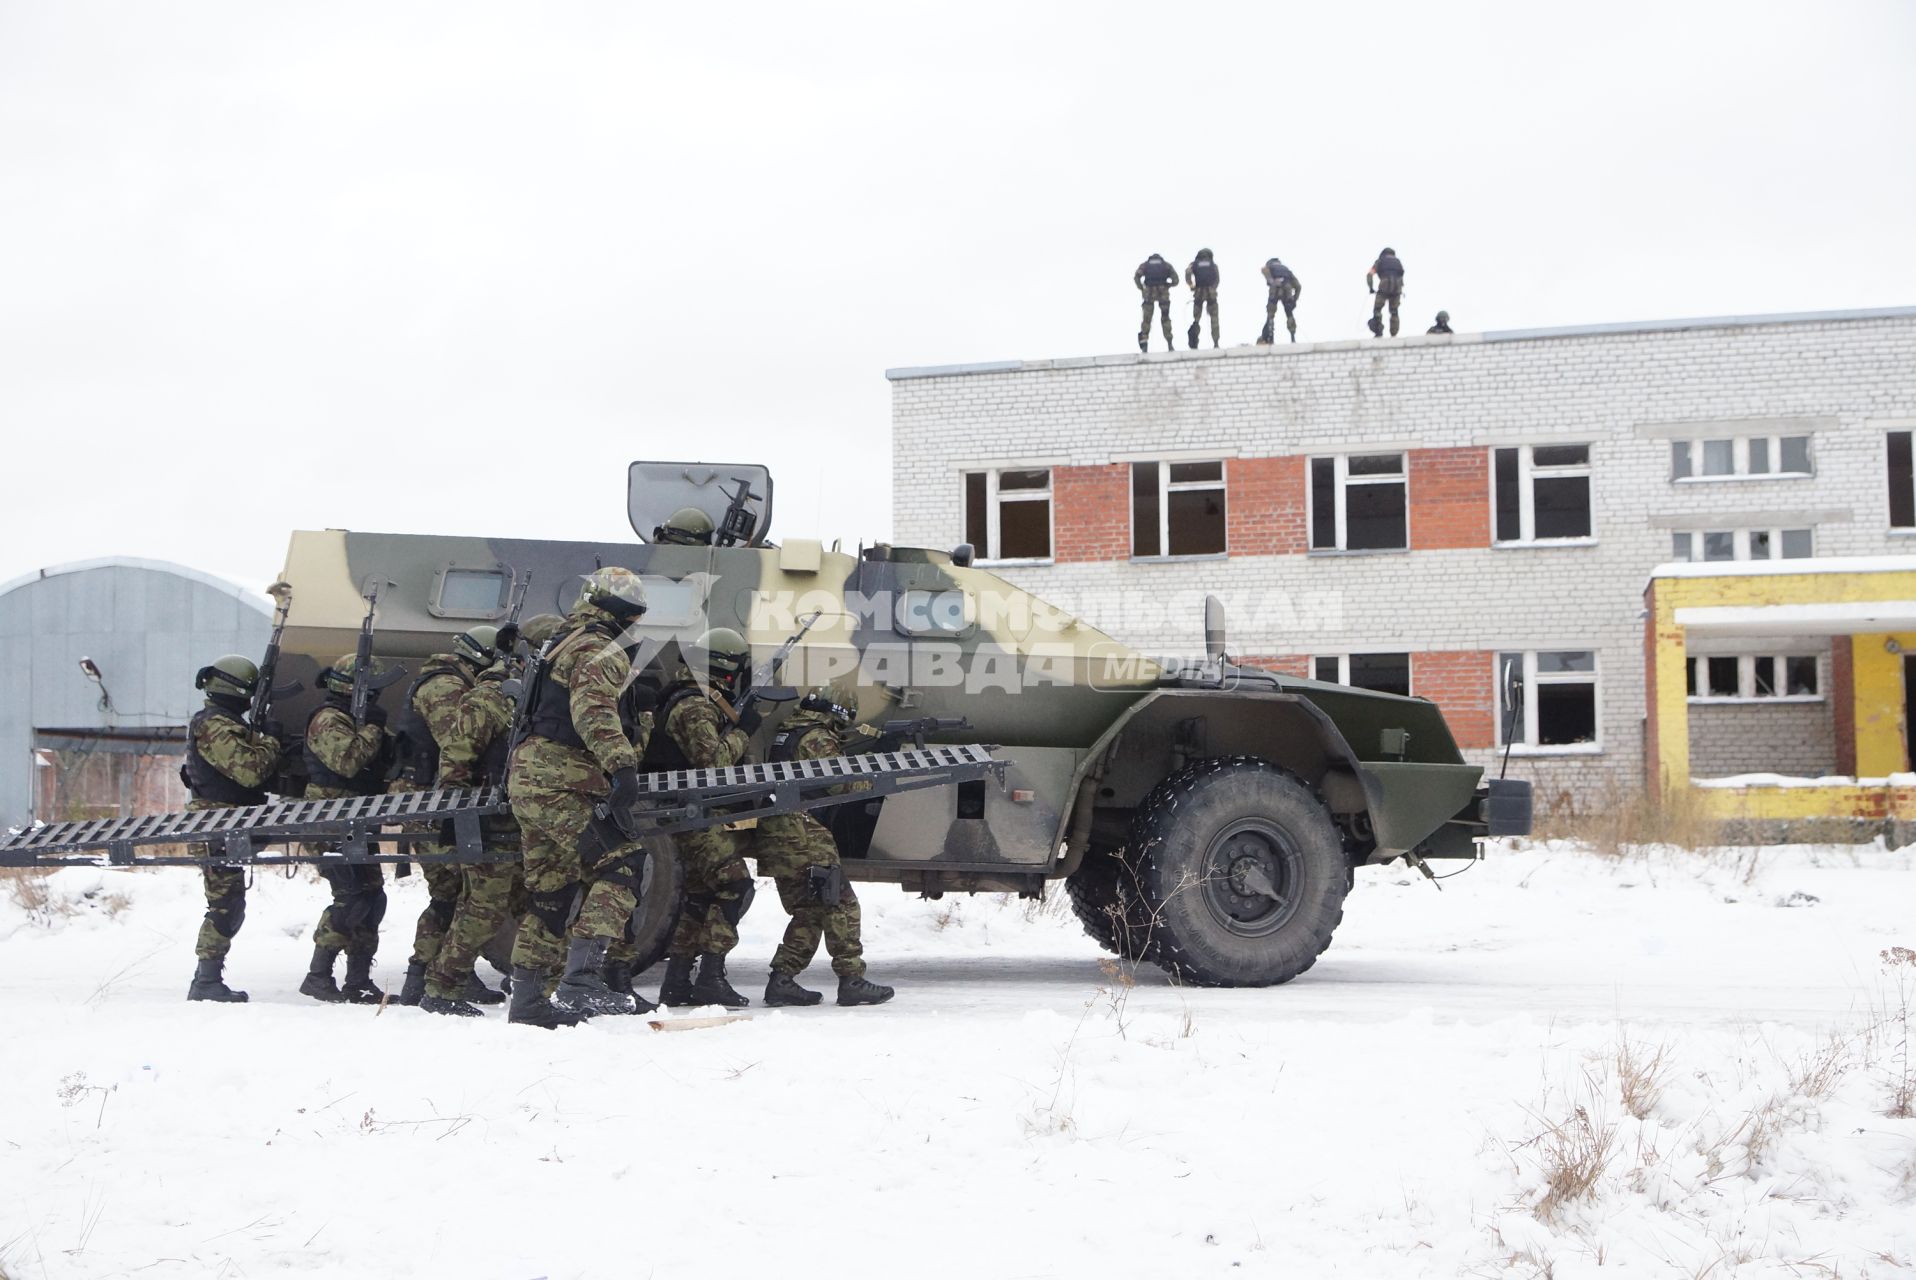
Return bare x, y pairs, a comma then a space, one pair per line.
414, 747
494, 760
1389, 268
549, 710
1205, 273
784, 748
663, 752
202, 779
1159, 273
369, 781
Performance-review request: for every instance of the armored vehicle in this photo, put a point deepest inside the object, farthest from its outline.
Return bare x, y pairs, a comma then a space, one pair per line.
1205, 816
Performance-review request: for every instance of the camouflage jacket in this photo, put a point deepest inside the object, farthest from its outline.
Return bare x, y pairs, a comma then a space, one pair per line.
702, 733
806, 737
483, 713
437, 700
594, 672
342, 746
245, 755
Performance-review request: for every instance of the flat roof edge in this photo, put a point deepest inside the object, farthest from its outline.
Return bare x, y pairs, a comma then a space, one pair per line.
907, 373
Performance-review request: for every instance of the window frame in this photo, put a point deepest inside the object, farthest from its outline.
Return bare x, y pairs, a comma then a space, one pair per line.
1742, 540
1527, 493
1740, 457
1746, 691
1167, 487
988, 554
1341, 480
1907, 497
1343, 661
1527, 744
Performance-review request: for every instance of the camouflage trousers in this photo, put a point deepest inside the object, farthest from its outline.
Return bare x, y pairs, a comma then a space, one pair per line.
1387, 292
716, 883
350, 923
1159, 296
565, 896
225, 889
1201, 297
444, 883
837, 924
1288, 300
487, 890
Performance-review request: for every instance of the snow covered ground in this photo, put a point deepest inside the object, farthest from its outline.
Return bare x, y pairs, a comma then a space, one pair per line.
1562, 1064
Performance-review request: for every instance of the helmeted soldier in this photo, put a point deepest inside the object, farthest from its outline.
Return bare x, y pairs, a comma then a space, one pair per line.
344, 758
1442, 325
1201, 278
428, 716
798, 852
584, 734
1283, 290
1155, 278
697, 731
228, 764
472, 754
1385, 280
686, 527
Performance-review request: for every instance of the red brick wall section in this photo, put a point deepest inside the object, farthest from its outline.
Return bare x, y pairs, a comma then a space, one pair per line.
1264, 506
1449, 498
1092, 519
1283, 664
1463, 684
1843, 702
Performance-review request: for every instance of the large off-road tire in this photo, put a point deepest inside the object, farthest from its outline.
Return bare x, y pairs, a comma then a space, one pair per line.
1242, 870
1104, 897
661, 897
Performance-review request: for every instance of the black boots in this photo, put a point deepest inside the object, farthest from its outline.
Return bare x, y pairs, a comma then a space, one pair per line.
477, 992
453, 1008
529, 1005
319, 982
209, 985
783, 991
1376, 327
618, 976
414, 987
1191, 335
358, 987
711, 986
675, 989
583, 990
1144, 342
858, 991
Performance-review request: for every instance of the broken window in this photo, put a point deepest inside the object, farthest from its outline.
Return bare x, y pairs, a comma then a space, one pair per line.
1557, 699
1542, 492
1008, 513
1359, 503
1177, 509
1383, 672
1742, 544
1733, 456
1743, 677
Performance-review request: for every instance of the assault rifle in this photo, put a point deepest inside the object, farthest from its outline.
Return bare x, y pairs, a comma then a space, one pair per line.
762, 688
508, 637
365, 684
915, 731
264, 693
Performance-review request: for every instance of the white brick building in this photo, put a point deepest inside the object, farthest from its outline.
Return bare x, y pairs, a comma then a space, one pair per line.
1520, 486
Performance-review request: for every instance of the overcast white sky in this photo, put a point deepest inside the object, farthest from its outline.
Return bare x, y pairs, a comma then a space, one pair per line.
450, 267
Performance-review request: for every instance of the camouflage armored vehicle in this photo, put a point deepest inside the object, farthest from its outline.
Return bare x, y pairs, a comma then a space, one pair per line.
1205, 817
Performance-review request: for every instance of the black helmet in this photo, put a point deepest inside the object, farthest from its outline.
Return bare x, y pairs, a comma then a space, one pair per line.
1388, 252
1443, 317
1156, 257
1204, 255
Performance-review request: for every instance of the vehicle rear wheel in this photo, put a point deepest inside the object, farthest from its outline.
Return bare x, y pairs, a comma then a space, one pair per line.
1243, 871
1104, 897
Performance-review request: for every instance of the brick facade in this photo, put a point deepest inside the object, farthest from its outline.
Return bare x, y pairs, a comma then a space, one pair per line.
1462, 682
1625, 391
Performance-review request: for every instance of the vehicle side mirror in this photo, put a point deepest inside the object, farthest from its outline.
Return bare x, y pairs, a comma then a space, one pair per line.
1214, 628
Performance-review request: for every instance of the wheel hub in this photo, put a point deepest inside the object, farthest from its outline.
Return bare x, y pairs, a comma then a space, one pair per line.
1252, 877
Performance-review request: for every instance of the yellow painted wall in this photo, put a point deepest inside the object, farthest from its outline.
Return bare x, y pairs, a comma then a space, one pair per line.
1881, 747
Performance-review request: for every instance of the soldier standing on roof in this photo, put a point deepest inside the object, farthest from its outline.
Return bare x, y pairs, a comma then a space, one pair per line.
1201, 278
1284, 290
228, 764
346, 759
1155, 278
1385, 279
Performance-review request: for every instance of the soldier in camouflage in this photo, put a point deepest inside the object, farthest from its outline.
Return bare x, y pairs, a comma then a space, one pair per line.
1201, 278
1385, 279
1284, 289
698, 731
585, 732
686, 527
1155, 278
473, 753
228, 764
428, 716
346, 759
800, 855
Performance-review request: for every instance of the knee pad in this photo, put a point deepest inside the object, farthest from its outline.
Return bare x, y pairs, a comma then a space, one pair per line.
734, 898
554, 908
228, 911
440, 912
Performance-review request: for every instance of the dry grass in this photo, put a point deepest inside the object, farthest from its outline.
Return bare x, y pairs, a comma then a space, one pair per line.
1641, 1073
1573, 1154
31, 890
1623, 819
1899, 963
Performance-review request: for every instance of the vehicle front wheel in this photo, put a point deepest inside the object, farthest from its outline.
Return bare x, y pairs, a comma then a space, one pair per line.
1242, 870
